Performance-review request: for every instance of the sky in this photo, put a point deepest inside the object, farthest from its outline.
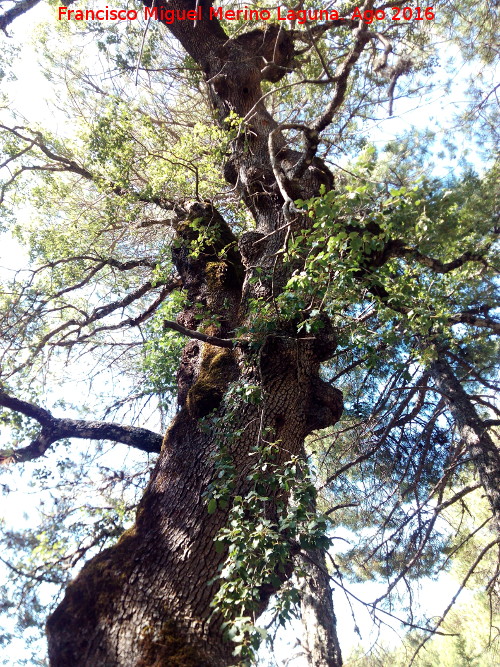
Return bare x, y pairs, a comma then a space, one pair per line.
32, 93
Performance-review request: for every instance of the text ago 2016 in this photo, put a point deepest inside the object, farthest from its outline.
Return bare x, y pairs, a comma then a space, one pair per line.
398, 14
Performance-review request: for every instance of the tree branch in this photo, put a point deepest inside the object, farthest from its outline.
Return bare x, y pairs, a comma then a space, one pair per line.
54, 429
435, 264
341, 78
66, 164
71, 330
471, 317
205, 338
18, 9
483, 450
128, 322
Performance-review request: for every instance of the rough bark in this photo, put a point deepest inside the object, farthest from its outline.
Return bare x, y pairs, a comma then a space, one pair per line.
473, 431
320, 641
145, 601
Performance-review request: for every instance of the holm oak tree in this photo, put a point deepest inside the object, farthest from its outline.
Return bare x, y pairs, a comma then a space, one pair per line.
224, 217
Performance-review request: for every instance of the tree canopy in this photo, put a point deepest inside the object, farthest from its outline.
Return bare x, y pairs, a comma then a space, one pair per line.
216, 238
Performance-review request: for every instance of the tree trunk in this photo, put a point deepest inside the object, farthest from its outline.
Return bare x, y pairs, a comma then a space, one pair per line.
483, 451
320, 641
146, 600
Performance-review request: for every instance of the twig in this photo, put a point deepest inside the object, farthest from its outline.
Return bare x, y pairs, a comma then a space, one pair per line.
139, 57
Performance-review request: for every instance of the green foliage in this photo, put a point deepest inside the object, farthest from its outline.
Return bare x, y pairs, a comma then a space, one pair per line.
468, 640
264, 530
162, 350
124, 143
395, 247
259, 549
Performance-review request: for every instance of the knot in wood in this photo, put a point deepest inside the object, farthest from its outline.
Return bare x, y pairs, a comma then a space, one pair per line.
325, 405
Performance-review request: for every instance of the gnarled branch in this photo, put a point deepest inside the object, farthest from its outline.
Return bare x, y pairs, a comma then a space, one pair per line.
54, 428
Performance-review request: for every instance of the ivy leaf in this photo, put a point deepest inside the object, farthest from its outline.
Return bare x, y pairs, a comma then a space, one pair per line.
212, 506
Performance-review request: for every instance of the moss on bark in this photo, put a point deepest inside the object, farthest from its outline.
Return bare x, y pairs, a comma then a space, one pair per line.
166, 648
217, 369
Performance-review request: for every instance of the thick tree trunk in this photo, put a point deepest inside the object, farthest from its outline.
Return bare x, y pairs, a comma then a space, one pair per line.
146, 601
483, 451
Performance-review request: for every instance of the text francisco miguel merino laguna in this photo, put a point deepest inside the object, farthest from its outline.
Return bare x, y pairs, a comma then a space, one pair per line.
170, 15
